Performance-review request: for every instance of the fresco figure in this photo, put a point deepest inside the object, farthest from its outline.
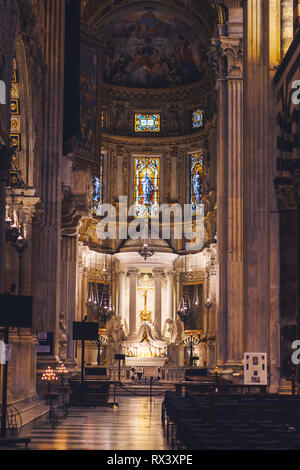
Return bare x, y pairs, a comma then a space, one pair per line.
149, 49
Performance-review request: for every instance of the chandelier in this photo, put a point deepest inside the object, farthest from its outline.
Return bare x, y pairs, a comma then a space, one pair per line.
146, 251
100, 303
186, 306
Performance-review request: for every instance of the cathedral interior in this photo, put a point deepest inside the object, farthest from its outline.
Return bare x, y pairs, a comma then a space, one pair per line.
149, 188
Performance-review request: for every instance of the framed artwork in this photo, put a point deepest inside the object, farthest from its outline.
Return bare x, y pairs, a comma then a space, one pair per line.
87, 142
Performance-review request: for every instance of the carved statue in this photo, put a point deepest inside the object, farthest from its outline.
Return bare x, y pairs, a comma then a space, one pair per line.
147, 189
115, 334
170, 328
114, 329
172, 351
197, 187
62, 337
180, 331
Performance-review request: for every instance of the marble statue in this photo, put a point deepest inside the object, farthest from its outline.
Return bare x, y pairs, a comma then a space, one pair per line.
62, 337
115, 335
147, 189
172, 351
180, 331
197, 187
170, 328
114, 329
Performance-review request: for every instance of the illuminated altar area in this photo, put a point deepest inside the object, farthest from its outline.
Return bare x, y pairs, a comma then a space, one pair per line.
145, 325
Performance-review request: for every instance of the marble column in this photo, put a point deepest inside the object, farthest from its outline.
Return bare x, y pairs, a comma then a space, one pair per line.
122, 308
132, 273
158, 274
46, 237
227, 54
260, 226
68, 288
169, 302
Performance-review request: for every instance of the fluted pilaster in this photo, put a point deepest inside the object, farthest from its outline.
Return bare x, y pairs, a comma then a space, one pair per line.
227, 55
47, 233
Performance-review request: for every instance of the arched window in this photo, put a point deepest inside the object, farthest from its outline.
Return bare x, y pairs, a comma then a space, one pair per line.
98, 189
146, 186
196, 184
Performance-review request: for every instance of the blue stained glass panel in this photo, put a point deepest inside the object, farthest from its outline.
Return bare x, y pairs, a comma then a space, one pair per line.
197, 119
196, 169
147, 123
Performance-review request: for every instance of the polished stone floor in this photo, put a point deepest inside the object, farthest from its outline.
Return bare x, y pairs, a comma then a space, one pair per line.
134, 425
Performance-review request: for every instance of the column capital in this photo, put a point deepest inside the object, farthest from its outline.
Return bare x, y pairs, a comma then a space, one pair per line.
233, 3
229, 48
286, 194
170, 274
132, 272
158, 273
295, 172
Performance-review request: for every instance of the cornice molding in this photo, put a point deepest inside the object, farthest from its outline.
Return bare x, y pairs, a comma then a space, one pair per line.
146, 142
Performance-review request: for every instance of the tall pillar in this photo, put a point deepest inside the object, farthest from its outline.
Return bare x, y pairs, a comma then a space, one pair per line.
132, 273
122, 279
158, 274
46, 275
227, 53
68, 288
259, 162
169, 302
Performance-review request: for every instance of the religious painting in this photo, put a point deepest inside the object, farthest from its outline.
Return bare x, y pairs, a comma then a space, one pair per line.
146, 187
151, 49
197, 119
193, 295
98, 190
85, 142
147, 123
196, 182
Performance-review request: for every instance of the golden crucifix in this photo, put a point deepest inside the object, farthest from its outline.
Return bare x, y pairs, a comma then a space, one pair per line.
146, 315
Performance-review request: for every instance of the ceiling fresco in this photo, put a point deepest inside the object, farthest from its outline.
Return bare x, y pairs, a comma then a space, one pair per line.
152, 49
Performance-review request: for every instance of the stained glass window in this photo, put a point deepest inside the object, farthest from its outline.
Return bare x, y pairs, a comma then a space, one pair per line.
197, 119
147, 123
98, 190
146, 187
196, 165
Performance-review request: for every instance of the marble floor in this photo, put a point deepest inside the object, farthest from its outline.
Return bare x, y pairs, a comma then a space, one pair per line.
134, 425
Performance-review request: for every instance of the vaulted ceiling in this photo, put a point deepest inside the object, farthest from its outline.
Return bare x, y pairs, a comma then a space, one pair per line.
156, 44
98, 12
